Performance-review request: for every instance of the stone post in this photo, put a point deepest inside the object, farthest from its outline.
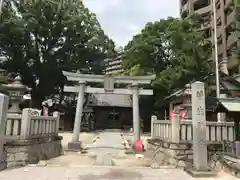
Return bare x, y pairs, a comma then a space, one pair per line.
223, 115
25, 123
76, 144
175, 128
199, 127
56, 115
4, 101
135, 106
153, 118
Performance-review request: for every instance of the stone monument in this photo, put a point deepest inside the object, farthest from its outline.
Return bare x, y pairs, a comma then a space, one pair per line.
200, 161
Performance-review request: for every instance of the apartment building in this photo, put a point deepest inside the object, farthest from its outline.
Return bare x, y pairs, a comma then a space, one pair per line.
113, 65
227, 37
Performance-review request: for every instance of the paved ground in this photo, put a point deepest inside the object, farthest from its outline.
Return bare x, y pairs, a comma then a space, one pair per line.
107, 143
85, 137
75, 166
100, 173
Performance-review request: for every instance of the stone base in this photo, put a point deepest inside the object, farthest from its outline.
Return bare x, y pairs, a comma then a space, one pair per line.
75, 146
22, 152
200, 174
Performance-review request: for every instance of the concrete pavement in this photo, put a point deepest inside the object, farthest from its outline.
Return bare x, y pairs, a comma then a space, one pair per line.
107, 143
101, 173
86, 138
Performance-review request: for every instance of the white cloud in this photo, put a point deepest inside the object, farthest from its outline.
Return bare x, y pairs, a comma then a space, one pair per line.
121, 19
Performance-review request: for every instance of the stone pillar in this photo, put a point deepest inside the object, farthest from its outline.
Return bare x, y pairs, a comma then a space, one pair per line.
4, 101
25, 123
175, 128
200, 160
223, 115
199, 127
56, 115
153, 119
135, 106
76, 144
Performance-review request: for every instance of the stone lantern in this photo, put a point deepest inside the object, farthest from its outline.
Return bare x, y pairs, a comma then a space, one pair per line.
16, 91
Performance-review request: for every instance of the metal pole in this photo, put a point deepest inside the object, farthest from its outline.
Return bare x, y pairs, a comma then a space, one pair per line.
216, 54
1, 2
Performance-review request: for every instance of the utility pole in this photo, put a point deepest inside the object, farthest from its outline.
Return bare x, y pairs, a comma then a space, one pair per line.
216, 54
1, 2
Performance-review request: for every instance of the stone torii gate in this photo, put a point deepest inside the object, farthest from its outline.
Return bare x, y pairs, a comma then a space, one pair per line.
108, 81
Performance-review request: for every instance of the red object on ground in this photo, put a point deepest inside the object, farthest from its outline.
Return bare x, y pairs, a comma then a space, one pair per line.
138, 145
45, 111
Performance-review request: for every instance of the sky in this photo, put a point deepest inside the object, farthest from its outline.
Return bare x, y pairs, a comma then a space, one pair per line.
122, 19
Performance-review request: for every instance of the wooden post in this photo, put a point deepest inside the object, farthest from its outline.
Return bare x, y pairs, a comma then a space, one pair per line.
56, 115
25, 123
153, 118
175, 128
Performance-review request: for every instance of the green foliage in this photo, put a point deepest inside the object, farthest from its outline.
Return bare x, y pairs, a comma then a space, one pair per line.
173, 49
40, 38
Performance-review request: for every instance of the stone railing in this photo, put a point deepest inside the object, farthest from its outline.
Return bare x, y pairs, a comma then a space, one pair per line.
27, 126
182, 130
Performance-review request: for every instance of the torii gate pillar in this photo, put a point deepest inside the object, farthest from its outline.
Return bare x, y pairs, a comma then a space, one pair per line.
76, 144
135, 106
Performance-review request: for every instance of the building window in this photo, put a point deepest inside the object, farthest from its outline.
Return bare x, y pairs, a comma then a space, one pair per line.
113, 116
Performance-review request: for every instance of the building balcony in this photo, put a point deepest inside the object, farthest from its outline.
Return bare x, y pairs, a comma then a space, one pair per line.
115, 62
184, 8
231, 39
203, 10
230, 18
220, 49
113, 67
227, 3
232, 62
205, 25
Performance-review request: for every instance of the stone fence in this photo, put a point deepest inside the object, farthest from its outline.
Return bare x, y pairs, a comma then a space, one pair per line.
182, 130
25, 125
29, 139
172, 141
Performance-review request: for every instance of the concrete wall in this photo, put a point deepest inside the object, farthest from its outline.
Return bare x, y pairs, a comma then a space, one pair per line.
22, 152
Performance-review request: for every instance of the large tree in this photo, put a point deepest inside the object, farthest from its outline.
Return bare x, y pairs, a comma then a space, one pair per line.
40, 38
173, 49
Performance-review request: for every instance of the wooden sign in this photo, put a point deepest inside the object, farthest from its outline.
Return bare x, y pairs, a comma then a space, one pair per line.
108, 83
